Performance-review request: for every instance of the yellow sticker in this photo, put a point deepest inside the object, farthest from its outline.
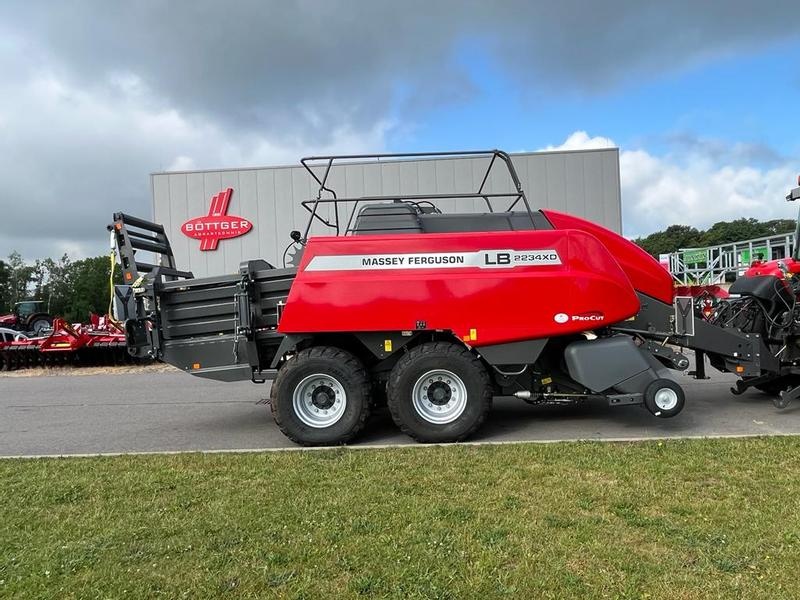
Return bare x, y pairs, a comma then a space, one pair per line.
473, 334
547, 381
387, 345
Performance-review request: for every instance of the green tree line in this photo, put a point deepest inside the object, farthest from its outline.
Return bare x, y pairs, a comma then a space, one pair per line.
675, 237
70, 288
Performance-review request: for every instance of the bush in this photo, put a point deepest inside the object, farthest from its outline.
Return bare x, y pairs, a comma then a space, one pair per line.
70, 289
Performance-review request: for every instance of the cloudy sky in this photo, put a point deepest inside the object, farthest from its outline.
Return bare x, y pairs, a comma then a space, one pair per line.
701, 97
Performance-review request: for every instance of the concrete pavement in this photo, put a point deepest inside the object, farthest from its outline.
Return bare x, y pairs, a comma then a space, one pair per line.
174, 412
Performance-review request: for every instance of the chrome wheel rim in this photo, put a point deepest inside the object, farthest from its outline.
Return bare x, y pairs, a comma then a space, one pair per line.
319, 400
439, 396
666, 399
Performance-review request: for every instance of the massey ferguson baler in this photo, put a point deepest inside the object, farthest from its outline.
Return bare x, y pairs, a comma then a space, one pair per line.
436, 314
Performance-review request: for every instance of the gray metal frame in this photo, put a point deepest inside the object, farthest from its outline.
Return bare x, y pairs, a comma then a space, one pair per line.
723, 259
656, 321
328, 161
132, 234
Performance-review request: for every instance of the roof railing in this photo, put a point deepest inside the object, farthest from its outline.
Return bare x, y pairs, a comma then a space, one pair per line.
328, 162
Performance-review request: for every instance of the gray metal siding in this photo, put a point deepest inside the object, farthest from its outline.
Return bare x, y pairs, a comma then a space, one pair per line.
585, 183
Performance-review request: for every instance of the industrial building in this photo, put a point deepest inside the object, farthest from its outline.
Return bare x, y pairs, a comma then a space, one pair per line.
585, 183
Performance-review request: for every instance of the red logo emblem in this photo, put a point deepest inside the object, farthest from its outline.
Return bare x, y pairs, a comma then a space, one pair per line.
217, 224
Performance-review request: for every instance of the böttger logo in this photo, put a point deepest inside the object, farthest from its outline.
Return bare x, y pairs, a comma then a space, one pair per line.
217, 224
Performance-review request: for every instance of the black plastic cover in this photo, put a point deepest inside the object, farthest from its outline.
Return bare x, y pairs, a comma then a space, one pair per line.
499, 221
601, 364
390, 217
404, 217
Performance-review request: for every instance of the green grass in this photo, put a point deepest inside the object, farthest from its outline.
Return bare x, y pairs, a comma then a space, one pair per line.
670, 520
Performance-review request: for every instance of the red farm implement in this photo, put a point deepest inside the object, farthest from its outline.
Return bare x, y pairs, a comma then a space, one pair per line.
101, 342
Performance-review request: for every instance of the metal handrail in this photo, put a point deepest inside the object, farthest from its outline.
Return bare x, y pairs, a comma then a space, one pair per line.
723, 259
312, 205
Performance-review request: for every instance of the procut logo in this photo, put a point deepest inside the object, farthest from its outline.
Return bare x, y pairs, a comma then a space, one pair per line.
588, 316
591, 316
217, 224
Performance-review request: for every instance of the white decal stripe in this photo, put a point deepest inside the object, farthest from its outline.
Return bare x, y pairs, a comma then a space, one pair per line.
483, 259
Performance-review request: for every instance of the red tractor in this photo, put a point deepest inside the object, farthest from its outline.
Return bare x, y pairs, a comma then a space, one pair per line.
436, 314
29, 317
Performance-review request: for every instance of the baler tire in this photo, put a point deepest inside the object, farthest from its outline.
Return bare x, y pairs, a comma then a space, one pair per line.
439, 358
674, 393
342, 367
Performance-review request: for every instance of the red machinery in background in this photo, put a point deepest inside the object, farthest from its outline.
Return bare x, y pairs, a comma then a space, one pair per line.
101, 342
30, 317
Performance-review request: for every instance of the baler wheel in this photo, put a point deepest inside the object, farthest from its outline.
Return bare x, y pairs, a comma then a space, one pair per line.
664, 398
321, 397
439, 392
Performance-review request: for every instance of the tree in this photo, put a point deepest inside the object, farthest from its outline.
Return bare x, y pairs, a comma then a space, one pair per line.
669, 240
52, 283
676, 237
726, 232
777, 226
70, 289
89, 288
5, 292
20, 278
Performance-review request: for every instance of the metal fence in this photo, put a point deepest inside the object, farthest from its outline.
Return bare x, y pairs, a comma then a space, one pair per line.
717, 264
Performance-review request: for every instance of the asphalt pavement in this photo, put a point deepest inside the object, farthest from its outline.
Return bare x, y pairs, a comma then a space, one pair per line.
173, 411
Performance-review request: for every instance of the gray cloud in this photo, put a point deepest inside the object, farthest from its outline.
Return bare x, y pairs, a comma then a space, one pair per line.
95, 95
286, 65
736, 153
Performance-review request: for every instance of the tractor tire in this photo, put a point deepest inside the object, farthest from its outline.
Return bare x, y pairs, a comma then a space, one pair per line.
664, 398
439, 392
38, 323
321, 397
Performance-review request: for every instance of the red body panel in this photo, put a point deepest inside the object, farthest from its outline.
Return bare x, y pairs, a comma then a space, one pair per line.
771, 268
645, 273
588, 289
